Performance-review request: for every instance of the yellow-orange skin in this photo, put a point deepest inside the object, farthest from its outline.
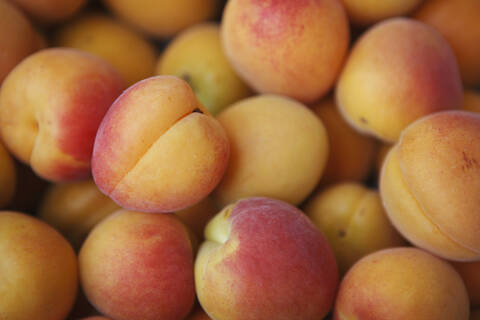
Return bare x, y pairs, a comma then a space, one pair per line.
351, 154
471, 101
197, 216
382, 89
399, 284
279, 149
138, 266
470, 273
51, 105
19, 39
459, 22
353, 219
75, 208
132, 55
163, 18
264, 256
430, 181
280, 46
196, 55
8, 177
158, 149
50, 11
366, 12
39, 270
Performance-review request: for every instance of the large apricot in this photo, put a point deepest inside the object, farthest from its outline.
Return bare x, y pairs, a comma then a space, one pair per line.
398, 71
291, 47
430, 183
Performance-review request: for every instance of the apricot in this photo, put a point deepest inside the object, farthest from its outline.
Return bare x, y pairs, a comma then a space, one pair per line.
38, 270
158, 149
51, 105
132, 55
50, 11
292, 47
366, 12
471, 101
459, 22
430, 183
353, 219
163, 18
279, 149
351, 153
398, 71
75, 208
264, 259
196, 56
470, 273
399, 284
138, 266
18, 38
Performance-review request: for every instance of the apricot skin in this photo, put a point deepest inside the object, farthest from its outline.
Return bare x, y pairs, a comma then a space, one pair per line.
158, 149
382, 89
280, 47
399, 284
430, 181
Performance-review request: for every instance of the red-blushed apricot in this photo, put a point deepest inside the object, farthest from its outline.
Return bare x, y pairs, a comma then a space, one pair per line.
365, 12
138, 266
290, 47
264, 259
197, 216
50, 11
459, 22
132, 55
399, 284
75, 208
8, 177
163, 18
471, 101
351, 154
470, 273
51, 105
158, 149
18, 38
279, 149
430, 182
353, 219
397, 72
196, 55
38, 270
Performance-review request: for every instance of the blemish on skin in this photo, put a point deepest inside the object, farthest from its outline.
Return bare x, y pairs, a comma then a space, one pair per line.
198, 111
363, 120
469, 163
341, 233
